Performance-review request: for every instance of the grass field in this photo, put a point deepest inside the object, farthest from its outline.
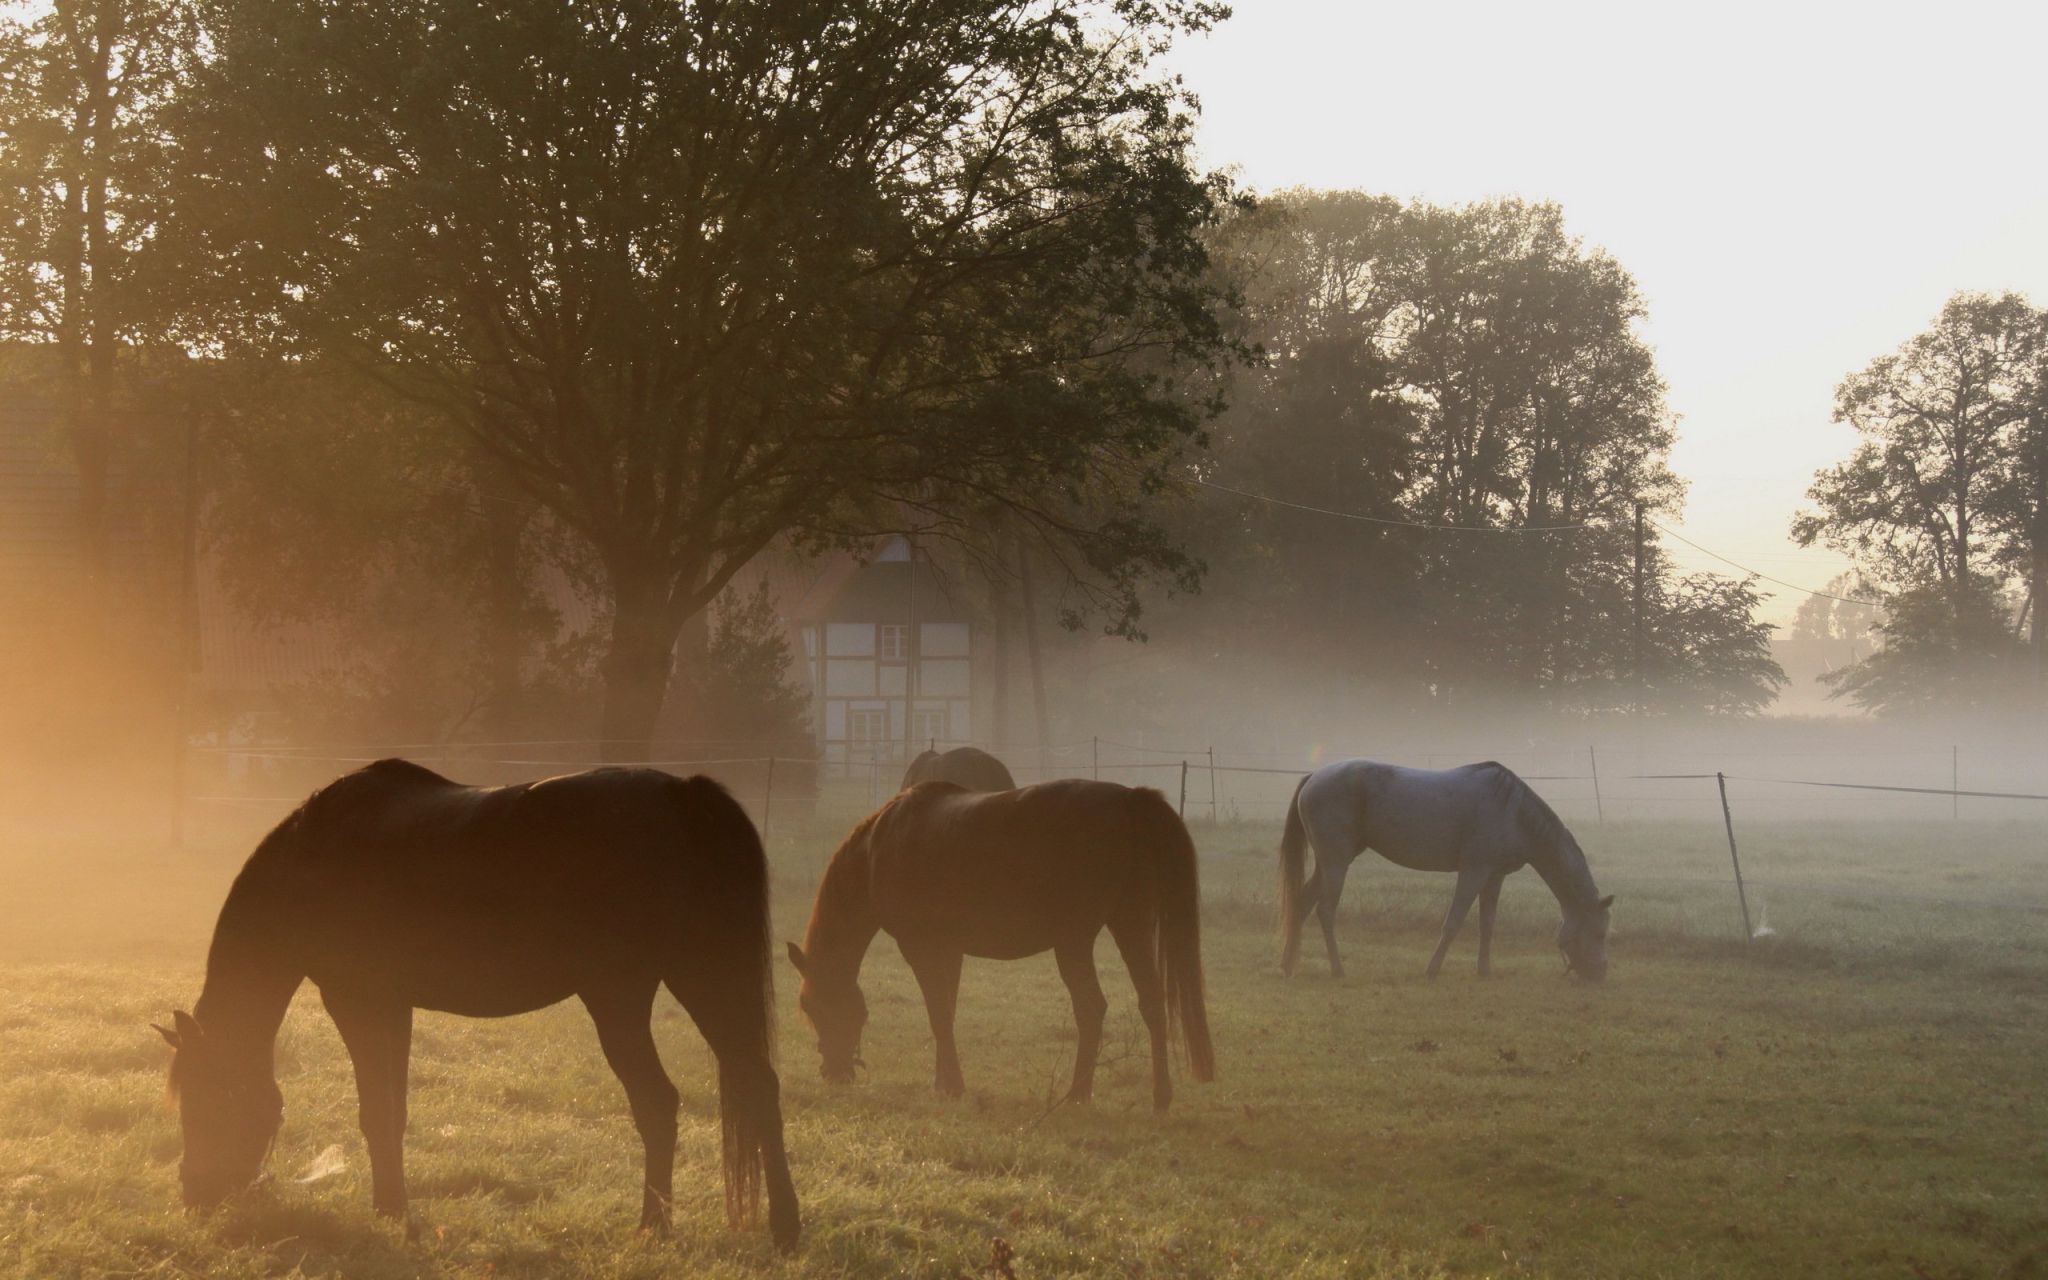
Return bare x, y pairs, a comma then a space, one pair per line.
1863, 1093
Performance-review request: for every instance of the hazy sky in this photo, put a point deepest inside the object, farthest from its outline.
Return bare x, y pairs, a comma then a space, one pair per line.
1796, 187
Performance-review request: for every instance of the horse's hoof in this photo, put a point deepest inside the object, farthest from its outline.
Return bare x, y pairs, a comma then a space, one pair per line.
785, 1234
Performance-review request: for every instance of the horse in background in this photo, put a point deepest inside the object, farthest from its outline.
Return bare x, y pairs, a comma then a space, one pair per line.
1478, 820
969, 767
951, 873
393, 889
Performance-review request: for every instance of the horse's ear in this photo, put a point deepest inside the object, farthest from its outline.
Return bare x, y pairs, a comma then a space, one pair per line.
796, 957
188, 1027
1607, 902
171, 1037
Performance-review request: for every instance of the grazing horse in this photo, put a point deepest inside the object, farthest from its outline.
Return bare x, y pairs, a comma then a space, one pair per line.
1478, 820
952, 873
970, 767
394, 889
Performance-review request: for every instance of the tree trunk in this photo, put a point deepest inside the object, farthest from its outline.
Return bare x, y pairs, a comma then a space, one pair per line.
637, 665
999, 649
508, 624
1030, 601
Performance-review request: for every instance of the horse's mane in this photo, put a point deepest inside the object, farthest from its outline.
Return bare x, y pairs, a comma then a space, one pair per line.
1532, 814
839, 881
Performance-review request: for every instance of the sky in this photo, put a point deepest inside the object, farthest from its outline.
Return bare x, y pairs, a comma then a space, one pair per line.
1796, 187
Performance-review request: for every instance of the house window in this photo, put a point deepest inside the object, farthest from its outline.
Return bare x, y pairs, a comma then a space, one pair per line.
895, 641
867, 726
928, 726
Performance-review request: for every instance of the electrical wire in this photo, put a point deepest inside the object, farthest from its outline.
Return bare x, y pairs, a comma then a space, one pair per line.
1825, 595
1386, 520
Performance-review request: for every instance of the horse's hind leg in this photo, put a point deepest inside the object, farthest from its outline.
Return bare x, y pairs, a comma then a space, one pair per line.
623, 1014
749, 1092
1077, 970
1331, 878
1470, 880
938, 977
378, 1036
1134, 943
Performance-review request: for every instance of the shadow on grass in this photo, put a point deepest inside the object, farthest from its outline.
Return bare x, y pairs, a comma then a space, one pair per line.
463, 1183
316, 1237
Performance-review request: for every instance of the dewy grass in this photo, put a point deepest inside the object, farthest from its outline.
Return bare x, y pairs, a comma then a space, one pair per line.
1862, 1092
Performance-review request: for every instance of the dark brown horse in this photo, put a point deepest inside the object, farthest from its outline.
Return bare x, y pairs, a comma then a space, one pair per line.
952, 873
394, 889
970, 767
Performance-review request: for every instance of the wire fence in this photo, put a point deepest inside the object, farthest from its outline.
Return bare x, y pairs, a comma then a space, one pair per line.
1207, 783
1242, 796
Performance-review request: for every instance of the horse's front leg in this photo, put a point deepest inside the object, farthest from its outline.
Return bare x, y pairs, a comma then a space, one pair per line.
1077, 969
1470, 880
1489, 904
378, 1036
938, 976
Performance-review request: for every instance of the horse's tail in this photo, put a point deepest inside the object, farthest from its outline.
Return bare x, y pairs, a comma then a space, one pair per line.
1177, 935
1293, 863
735, 1002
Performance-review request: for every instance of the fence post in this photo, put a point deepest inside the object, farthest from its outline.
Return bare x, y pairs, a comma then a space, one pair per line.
1955, 784
1183, 788
1721, 781
1095, 758
768, 802
1212, 784
1599, 807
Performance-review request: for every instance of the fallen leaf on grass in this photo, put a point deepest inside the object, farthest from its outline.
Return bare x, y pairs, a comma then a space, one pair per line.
325, 1165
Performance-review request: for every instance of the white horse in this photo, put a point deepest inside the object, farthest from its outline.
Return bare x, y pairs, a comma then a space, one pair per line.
1478, 820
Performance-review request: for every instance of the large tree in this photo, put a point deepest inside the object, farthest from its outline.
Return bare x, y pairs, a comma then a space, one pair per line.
1941, 502
83, 167
1473, 378
704, 276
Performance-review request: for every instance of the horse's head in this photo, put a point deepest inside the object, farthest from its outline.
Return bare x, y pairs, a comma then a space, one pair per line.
837, 1011
229, 1108
1582, 936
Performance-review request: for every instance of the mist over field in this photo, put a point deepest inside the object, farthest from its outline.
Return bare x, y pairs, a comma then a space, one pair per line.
1354, 531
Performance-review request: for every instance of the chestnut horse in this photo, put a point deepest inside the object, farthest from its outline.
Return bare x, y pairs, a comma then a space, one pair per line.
952, 873
971, 767
394, 889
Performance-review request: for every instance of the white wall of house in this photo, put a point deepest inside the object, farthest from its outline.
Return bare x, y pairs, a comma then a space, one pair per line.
872, 702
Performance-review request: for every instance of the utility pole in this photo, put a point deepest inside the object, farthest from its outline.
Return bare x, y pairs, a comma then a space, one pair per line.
2037, 587
1637, 596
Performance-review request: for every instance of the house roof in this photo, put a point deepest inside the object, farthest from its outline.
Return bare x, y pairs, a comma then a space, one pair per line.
882, 591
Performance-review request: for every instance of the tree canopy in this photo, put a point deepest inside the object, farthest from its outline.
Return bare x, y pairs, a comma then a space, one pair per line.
703, 277
1471, 377
1943, 504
